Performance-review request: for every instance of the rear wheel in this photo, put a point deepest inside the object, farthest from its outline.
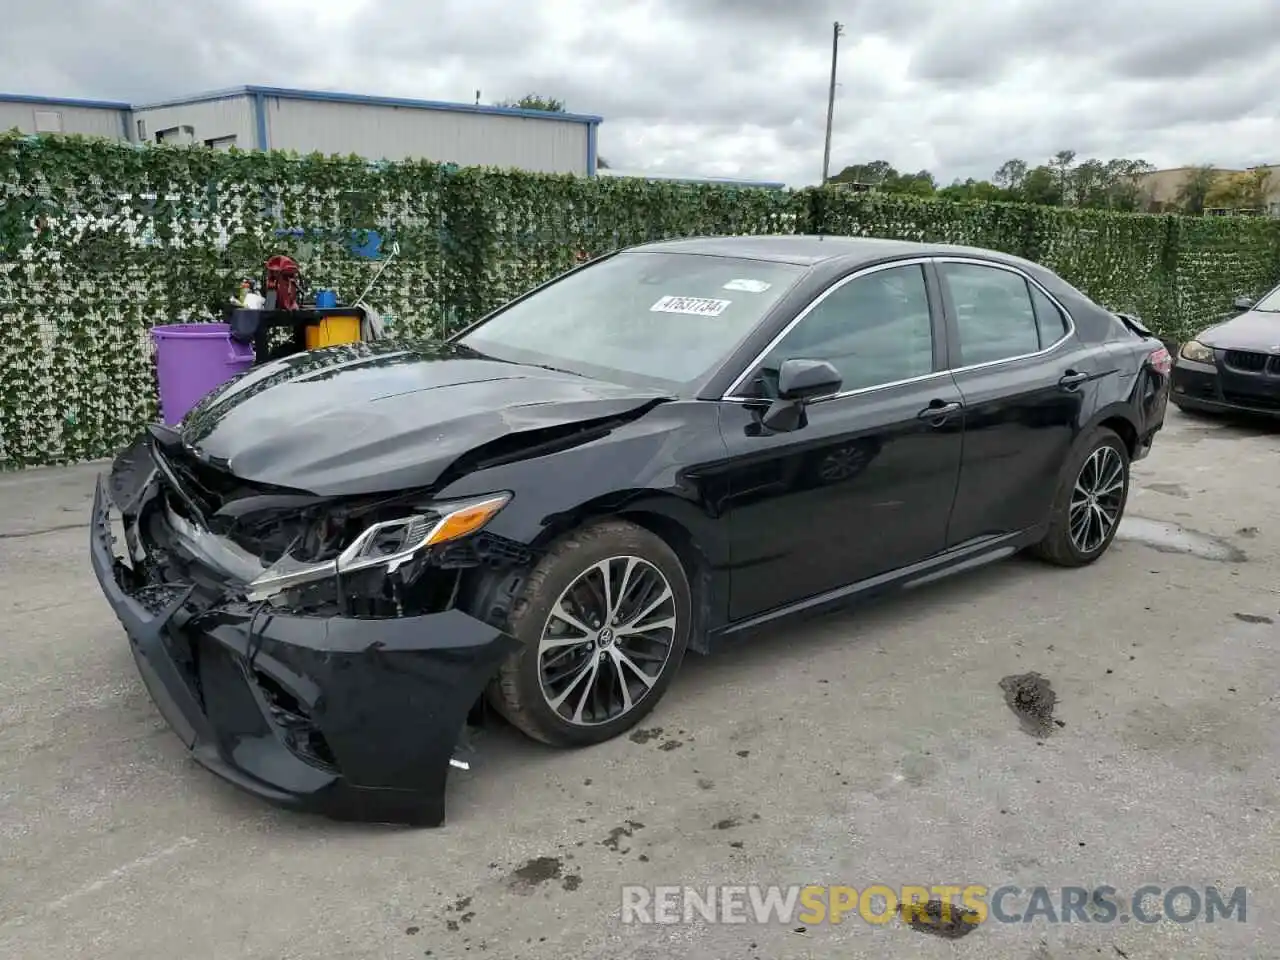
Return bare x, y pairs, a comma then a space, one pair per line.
604, 619
1092, 492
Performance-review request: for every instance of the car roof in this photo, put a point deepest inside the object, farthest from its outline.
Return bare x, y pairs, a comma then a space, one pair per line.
811, 249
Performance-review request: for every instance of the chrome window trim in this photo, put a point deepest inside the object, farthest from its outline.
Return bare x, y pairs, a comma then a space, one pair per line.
913, 261
813, 305
1071, 323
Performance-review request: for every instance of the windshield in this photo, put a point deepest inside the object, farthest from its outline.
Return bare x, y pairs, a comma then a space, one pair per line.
1270, 303
662, 318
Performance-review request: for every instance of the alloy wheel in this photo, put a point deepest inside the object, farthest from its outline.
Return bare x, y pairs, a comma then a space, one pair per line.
607, 640
1097, 499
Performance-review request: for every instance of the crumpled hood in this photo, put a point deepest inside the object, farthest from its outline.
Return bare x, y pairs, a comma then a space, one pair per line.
1255, 330
385, 416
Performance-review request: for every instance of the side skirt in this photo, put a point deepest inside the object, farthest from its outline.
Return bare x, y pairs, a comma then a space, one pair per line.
958, 559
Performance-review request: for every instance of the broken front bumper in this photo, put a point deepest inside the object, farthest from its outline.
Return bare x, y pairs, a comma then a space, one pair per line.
357, 719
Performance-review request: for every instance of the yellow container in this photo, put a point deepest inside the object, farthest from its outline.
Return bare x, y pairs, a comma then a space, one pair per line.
332, 330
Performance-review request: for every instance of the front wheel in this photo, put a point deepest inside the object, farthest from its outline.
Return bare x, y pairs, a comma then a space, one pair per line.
1089, 503
604, 618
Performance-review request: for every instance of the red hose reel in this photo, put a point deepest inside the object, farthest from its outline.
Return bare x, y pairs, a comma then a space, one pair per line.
283, 284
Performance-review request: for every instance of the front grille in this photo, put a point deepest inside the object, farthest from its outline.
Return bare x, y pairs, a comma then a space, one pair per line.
1246, 361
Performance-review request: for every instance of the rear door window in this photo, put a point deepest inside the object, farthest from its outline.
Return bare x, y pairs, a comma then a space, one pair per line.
995, 316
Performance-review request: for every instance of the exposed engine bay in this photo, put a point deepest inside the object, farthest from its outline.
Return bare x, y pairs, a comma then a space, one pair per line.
388, 556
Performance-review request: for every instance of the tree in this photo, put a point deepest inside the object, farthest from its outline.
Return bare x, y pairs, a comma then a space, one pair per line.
1090, 184
918, 184
1195, 189
972, 190
534, 101
1117, 184
882, 175
1128, 190
1256, 185
1244, 192
1042, 185
1061, 166
1114, 185
874, 173
1011, 174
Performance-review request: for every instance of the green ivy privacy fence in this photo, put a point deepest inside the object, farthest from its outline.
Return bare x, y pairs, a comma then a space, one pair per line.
100, 241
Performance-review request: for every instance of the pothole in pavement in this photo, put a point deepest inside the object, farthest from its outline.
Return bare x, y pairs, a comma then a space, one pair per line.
1175, 538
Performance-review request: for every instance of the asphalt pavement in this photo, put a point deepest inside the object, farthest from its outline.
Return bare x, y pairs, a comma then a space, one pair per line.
872, 747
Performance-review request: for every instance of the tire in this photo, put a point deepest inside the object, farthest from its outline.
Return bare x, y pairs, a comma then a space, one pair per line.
571, 571
1059, 546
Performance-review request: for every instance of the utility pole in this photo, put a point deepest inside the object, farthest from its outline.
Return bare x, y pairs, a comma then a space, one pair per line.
836, 31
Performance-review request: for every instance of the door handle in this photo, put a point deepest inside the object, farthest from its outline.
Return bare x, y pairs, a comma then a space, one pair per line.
938, 412
1072, 379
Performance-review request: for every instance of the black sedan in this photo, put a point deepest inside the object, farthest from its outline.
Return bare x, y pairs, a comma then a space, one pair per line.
1234, 366
340, 555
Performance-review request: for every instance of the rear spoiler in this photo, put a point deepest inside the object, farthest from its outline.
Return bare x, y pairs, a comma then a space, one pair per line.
1134, 323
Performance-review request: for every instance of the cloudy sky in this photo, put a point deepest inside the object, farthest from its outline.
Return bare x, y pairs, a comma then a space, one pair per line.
730, 87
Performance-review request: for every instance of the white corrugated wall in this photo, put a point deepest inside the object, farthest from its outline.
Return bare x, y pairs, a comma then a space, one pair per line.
60, 118
210, 120
399, 133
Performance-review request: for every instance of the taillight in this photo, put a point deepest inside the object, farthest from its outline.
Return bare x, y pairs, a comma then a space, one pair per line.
1160, 361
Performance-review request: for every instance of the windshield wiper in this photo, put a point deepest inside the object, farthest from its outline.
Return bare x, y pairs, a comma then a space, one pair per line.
547, 366
472, 352
480, 355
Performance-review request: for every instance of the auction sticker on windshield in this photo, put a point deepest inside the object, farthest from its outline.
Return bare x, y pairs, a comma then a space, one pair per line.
696, 306
750, 286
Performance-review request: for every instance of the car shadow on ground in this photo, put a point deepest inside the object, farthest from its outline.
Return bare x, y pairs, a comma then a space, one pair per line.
768, 649
504, 752
755, 659
1229, 426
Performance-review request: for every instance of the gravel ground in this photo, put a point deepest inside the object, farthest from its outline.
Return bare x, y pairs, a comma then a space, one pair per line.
877, 746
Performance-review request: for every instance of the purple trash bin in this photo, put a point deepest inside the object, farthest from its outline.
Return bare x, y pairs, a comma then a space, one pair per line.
191, 360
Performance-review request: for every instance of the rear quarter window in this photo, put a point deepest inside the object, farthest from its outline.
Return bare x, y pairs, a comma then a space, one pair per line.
1050, 320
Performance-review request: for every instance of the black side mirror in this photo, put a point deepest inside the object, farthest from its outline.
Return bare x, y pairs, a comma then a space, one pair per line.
802, 380
799, 382
1244, 303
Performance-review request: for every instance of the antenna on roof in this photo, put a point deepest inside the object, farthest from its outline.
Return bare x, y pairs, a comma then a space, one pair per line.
477, 98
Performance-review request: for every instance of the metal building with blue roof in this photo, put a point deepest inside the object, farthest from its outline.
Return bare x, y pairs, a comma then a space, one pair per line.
307, 121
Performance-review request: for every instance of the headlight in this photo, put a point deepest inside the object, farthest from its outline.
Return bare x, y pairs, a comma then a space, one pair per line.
393, 542
387, 544
1196, 352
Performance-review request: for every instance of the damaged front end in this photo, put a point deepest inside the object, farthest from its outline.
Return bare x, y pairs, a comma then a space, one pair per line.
309, 649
